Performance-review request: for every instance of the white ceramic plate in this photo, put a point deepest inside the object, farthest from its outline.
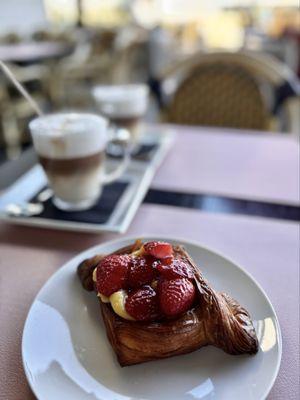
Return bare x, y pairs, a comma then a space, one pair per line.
66, 354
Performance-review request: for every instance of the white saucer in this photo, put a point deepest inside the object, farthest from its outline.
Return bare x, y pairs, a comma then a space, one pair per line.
66, 354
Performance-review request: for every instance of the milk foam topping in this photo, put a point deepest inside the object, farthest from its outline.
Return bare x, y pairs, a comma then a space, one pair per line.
122, 100
69, 135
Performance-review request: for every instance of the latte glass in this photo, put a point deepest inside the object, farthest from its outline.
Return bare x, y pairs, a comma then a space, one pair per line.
71, 149
123, 105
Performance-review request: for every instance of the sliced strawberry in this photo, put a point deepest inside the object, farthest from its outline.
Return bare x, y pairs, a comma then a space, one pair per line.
175, 269
142, 304
175, 296
156, 263
112, 273
158, 249
141, 272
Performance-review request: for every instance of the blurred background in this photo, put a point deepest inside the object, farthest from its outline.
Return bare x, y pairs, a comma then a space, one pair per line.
225, 63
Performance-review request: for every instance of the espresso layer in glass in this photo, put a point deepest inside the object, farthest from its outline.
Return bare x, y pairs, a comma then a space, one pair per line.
71, 165
131, 123
74, 180
126, 122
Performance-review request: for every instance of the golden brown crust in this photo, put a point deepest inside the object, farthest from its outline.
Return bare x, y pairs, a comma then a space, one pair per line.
136, 342
231, 327
217, 320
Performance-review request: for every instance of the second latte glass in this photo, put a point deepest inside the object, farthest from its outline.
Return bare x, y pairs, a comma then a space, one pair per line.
123, 105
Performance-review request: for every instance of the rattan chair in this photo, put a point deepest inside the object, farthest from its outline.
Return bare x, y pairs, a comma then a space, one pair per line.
220, 95
230, 90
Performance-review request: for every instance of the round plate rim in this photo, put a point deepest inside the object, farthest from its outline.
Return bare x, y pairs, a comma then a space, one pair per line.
147, 236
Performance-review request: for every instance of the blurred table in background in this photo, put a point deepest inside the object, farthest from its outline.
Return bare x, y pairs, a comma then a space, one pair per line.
31, 52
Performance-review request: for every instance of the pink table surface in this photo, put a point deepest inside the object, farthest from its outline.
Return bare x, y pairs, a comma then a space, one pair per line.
240, 164
268, 249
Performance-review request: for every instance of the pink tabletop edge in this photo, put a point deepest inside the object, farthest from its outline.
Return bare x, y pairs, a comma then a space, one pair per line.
262, 166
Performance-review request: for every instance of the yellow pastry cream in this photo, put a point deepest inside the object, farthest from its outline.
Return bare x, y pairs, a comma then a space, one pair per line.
117, 301
103, 298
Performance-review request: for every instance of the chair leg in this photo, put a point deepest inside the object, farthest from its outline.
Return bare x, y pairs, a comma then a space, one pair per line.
292, 107
11, 135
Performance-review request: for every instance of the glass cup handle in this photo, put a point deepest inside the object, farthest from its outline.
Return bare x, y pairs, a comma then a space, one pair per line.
123, 136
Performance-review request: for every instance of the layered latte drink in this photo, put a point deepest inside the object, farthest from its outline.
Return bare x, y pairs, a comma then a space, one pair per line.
123, 105
71, 149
